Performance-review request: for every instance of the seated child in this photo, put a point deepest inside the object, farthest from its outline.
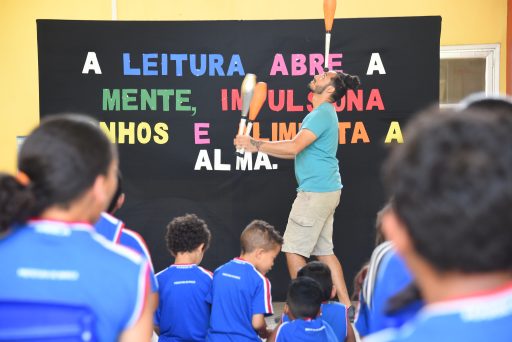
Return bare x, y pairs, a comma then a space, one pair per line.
332, 312
183, 313
240, 294
303, 308
450, 221
387, 276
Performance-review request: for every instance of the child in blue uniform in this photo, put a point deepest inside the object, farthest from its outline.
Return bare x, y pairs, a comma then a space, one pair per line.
183, 313
387, 277
451, 222
67, 175
114, 230
303, 308
334, 313
241, 293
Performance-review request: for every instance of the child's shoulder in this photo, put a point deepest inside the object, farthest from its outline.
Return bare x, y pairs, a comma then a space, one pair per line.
334, 312
177, 270
206, 272
334, 305
241, 270
236, 264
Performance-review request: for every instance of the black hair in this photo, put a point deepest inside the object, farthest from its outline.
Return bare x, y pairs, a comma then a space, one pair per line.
451, 183
119, 191
493, 103
342, 83
61, 158
321, 273
186, 233
259, 234
304, 297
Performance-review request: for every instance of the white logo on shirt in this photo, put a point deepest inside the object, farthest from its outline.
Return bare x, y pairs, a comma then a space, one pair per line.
315, 329
42, 274
183, 282
231, 276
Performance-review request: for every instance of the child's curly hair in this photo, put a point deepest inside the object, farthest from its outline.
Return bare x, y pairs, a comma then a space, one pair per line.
186, 233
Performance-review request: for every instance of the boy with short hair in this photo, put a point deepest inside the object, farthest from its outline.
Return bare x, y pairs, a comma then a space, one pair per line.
332, 312
183, 312
240, 294
303, 308
451, 222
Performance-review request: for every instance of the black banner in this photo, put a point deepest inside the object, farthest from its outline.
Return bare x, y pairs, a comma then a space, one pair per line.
168, 93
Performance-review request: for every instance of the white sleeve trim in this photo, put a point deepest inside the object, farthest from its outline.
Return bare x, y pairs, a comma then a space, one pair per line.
141, 295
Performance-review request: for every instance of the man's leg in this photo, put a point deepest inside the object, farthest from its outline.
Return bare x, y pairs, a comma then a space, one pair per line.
295, 262
337, 277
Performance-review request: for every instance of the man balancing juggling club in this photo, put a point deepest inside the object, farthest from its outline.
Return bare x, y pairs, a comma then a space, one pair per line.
310, 223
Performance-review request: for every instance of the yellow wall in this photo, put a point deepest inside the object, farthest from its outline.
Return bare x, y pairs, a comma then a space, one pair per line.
464, 22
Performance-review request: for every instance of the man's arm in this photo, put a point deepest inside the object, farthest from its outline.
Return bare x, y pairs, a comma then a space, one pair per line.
259, 324
286, 149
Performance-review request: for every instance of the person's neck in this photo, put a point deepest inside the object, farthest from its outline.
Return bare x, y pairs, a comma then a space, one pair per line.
438, 286
79, 211
187, 258
249, 257
318, 99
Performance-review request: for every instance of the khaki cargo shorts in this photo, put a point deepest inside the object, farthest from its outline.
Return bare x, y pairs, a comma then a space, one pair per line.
310, 224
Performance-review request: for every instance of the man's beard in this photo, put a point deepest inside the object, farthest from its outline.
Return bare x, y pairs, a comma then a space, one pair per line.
316, 89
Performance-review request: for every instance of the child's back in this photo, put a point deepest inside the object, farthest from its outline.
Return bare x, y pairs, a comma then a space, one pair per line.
183, 313
239, 291
311, 330
240, 294
335, 314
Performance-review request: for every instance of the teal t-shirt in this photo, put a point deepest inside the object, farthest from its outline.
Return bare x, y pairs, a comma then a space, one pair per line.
316, 167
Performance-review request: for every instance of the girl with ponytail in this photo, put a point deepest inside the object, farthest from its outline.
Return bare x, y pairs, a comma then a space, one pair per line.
49, 250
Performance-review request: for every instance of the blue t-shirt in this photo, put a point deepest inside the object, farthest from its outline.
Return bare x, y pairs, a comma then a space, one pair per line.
239, 291
183, 313
314, 330
387, 276
335, 315
113, 230
68, 263
486, 317
316, 167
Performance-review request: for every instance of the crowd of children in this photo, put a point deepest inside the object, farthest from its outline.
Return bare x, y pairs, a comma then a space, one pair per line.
232, 304
443, 275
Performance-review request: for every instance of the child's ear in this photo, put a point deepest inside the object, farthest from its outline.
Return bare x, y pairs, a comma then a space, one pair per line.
286, 309
319, 312
201, 248
259, 252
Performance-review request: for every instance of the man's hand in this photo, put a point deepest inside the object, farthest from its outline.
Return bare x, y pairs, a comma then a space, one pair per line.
247, 143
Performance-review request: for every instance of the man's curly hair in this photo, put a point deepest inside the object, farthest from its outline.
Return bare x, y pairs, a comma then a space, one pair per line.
186, 233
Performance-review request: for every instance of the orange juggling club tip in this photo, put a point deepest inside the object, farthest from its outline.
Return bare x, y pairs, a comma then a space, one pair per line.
258, 99
329, 10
